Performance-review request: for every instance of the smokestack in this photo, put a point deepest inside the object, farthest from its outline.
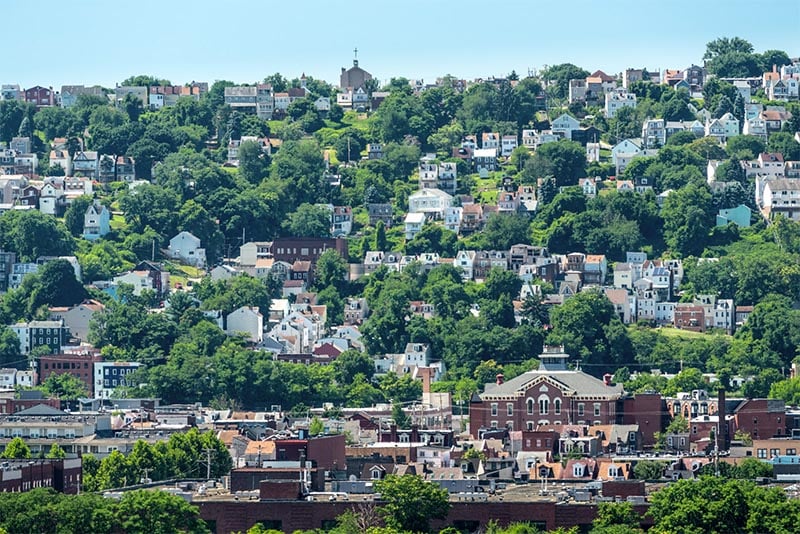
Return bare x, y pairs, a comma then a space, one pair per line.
723, 424
500, 378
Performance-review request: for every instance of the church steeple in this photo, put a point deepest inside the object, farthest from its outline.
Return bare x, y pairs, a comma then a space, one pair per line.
355, 57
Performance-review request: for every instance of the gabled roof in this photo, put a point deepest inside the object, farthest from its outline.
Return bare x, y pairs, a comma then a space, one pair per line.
41, 409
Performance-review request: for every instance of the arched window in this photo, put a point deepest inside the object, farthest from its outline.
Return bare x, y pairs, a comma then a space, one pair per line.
544, 405
529, 404
529, 424
557, 406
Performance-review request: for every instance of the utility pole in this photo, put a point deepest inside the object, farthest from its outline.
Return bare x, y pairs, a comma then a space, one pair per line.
208, 452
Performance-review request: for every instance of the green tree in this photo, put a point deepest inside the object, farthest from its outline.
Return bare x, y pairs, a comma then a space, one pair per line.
16, 449
253, 162
65, 386
399, 416
565, 161
558, 77
21, 231
411, 502
57, 286
157, 512
687, 219
620, 514
73, 217
309, 221
315, 428
649, 470
56, 452
9, 348
331, 270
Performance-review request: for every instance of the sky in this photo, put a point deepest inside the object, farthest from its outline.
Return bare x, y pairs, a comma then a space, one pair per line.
99, 42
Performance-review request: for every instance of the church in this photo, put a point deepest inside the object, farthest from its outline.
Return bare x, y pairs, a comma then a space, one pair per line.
355, 77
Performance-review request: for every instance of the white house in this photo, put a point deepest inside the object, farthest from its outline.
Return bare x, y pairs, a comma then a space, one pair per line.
465, 260
723, 128
490, 140
413, 224
623, 152
782, 196
96, 221
431, 202
654, 133
452, 218
616, 101
564, 125
589, 187
247, 320
507, 145
186, 247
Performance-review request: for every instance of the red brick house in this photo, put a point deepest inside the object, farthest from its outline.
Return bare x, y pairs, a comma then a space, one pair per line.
40, 96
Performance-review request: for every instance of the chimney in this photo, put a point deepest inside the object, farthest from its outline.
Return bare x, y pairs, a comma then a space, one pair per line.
500, 378
607, 379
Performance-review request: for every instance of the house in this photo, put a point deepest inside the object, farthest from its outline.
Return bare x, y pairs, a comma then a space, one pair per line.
624, 185
51, 199
464, 261
490, 140
96, 221
782, 196
40, 96
374, 151
242, 99
79, 364
616, 101
472, 218
61, 158
138, 92
654, 133
452, 218
77, 318
110, 375
379, 212
623, 152
485, 160
551, 394
431, 202
564, 125
507, 145
723, 128
246, 320
448, 177
756, 127
186, 247
146, 275
341, 221
740, 216
33, 334
413, 224
86, 163
595, 267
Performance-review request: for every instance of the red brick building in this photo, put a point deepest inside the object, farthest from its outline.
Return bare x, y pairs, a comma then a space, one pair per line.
80, 365
25, 475
550, 395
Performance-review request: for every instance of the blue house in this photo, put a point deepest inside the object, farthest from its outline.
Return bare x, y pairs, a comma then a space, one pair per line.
96, 221
740, 216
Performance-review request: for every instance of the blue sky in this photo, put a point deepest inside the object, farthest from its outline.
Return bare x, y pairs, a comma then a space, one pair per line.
93, 41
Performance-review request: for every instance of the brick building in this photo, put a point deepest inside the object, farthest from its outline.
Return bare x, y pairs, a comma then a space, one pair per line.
24, 475
552, 394
79, 364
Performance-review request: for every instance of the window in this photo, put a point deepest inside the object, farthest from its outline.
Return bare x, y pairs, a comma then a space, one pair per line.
580, 409
529, 405
762, 453
774, 452
494, 409
694, 430
791, 452
596, 409
544, 405
557, 406
509, 408
494, 424
529, 425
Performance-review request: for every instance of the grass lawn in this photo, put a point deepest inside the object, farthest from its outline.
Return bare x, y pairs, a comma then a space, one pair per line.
683, 334
118, 222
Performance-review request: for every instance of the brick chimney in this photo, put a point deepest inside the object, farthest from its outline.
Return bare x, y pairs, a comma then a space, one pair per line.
607, 379
500, 378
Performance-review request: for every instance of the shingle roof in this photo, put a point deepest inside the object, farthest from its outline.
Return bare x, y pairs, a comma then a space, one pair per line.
578, 382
